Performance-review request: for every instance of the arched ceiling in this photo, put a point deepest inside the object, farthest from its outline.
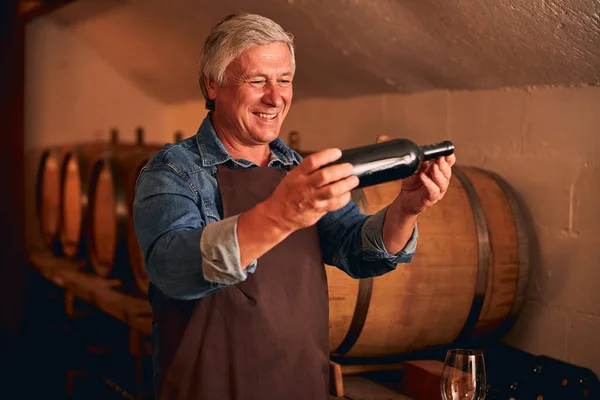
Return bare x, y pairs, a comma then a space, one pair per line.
356, 47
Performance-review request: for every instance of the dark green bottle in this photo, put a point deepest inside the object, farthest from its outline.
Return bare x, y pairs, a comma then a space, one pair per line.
391, 160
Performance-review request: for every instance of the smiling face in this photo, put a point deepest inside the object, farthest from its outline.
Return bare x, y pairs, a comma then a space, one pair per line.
256, 98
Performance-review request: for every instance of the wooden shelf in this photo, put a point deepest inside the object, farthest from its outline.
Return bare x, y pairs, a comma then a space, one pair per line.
100, 292
136, 312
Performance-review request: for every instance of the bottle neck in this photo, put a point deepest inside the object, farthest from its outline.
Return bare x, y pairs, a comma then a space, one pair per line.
432, 151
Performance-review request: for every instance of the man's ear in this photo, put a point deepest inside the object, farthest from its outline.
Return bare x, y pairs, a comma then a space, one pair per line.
211, 86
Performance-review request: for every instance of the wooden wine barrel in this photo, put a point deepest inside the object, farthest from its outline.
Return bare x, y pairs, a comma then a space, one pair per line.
111, 241
48, 197
113, 247
467, 279
135, 254
75, 180
49, 187
76, 172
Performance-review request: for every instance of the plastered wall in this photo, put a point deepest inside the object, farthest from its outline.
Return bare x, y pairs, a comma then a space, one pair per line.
545, 142
73, 95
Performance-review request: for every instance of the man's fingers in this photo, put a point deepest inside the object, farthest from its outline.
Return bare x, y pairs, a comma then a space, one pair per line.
331, 174
451, 159
338, 202
439, 178
318, 160
337, 188
424, 167
433, 191
446, 168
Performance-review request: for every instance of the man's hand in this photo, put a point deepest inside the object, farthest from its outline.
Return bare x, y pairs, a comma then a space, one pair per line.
308, 192
419, 192
426, 187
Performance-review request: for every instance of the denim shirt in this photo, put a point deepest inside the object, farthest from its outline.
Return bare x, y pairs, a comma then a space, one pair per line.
190, 250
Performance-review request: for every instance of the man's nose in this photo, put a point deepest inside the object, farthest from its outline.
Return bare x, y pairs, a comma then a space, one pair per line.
272, 95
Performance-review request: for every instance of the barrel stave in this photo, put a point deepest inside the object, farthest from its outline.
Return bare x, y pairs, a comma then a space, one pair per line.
112, 200
48, 197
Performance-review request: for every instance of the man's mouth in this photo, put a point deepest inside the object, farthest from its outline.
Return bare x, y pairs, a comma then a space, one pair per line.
266, 116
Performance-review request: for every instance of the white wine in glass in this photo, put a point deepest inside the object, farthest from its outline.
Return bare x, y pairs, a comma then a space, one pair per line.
463, 376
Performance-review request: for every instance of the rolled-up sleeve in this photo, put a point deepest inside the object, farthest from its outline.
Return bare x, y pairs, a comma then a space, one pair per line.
221, 253
372, 235
353, 242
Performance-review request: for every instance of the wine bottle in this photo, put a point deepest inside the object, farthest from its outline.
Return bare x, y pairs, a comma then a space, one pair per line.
569, 381
390, 160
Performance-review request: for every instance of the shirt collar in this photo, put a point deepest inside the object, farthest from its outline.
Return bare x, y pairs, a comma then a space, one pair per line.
213, 152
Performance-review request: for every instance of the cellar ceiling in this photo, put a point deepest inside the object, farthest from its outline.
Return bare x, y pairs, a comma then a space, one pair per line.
350, 48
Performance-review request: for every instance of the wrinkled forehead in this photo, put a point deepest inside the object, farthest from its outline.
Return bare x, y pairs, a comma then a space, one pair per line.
273, 59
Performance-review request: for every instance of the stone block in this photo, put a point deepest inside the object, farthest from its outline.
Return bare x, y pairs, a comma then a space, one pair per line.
544, 185
564, 121
567, 273
324, 123
585, 201
487, 123
540, 329
583, 346
421, 117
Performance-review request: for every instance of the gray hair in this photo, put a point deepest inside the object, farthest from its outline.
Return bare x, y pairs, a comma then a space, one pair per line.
232, 36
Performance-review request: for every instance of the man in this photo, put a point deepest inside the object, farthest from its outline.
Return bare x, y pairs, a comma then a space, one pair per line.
235, 229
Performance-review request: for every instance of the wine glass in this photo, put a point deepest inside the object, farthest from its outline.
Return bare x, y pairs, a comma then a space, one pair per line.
463, 375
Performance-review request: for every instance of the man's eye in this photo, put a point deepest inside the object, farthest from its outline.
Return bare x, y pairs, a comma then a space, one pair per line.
258, 82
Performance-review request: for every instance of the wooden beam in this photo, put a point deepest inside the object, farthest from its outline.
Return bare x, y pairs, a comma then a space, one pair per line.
12, 211
31, 9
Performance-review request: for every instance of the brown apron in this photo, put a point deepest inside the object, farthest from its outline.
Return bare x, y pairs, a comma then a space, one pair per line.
264, 338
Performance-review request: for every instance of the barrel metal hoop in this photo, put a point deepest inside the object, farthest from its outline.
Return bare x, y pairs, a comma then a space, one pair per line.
121, 186
523, 246
39, 188
92, 254
363, 300
483, 255
122, 213
84, 171
51, 239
